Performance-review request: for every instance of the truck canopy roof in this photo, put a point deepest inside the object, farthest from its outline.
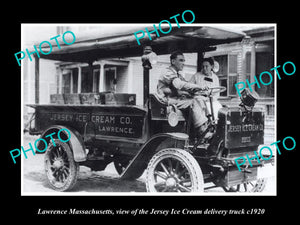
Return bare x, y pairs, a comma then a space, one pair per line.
120, 42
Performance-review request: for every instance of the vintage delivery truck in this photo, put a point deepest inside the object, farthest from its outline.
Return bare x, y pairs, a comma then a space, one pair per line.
154, 138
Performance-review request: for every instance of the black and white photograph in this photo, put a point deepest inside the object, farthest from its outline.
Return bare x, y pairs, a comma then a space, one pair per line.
144, 109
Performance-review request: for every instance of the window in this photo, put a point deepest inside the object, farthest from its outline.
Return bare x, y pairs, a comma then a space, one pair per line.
227, 73
75, 80
96, 75
86, 80
264, 61
66, 83
110, 79
62, 29
232, 74
90, 79
69, 81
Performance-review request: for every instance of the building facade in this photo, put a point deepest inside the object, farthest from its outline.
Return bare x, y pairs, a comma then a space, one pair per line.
244, 60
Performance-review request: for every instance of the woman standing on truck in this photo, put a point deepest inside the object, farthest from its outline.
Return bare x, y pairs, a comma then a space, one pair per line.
206, 78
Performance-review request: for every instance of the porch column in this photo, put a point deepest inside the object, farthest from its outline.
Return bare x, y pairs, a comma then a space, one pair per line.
60, 72
245, 44
30, 79
130, 77
37, 79
90, 73
253, 63
101, 78
71, 81
79, 80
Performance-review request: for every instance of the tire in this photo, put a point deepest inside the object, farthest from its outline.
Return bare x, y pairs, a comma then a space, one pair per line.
60, 167
260, 185
174, 170
251, 186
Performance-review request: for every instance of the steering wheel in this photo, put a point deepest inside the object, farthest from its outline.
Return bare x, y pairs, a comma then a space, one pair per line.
212, 90
217, 89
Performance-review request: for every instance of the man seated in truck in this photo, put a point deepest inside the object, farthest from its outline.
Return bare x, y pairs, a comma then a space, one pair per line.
172, 88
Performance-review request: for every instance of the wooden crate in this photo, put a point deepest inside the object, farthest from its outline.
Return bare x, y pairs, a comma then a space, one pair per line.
71, 98
57, 99
120, 99
90, 98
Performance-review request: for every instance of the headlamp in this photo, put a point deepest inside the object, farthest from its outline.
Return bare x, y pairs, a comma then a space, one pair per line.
248, 99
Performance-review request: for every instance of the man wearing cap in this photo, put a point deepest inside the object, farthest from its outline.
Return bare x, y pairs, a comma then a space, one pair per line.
172, 88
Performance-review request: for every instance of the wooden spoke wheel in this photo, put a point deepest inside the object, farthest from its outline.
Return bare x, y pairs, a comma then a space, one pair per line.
174, 170
60, 167
250, 186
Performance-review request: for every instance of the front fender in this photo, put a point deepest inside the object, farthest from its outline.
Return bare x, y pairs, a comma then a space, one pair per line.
159, 141
76, 142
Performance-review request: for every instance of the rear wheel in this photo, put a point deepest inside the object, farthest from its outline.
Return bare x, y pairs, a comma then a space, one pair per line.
60, 167
174, 170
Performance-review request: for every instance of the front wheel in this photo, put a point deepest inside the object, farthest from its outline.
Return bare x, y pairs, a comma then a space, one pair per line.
174, 170
60, 167
250, 186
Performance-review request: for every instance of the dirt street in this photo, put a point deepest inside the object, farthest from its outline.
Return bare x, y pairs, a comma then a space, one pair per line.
34, 178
